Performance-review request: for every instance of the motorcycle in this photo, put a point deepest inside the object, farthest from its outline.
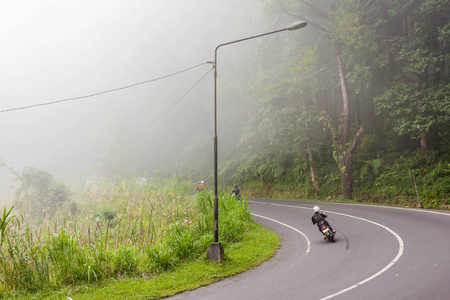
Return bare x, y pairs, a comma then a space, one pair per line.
237, 196
328, 234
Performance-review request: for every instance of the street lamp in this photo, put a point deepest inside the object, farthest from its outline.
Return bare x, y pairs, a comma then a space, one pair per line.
215, 249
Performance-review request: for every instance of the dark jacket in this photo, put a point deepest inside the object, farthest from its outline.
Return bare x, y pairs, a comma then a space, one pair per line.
318, 218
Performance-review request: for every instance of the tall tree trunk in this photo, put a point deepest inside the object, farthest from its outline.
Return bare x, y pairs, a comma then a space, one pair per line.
346, 171
311, 159
423, 133
310, 155
423, 145
345, 157
312, 170
345, 153
345, 100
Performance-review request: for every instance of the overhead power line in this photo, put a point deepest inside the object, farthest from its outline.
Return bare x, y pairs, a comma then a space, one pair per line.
104, 92
167, 110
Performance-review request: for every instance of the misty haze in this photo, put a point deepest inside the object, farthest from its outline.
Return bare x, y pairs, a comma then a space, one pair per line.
108, 164
54, 51
125, 90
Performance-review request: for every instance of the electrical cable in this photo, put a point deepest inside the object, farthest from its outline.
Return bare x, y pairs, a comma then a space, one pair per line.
104, 92
176, 102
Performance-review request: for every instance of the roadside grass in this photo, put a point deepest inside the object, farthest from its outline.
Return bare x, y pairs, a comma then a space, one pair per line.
115, 229
256, 246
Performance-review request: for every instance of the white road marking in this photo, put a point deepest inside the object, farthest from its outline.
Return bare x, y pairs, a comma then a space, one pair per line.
399, 239
419, 210
308, 247
401, 246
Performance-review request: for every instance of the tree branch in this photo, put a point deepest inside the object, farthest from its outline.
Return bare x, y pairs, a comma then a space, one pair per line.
302, 17
327, 120
318, 71
356, 138
365, 6
316, 10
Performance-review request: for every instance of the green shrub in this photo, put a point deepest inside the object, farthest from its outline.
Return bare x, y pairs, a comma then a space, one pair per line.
90, 263
204, 208
8, 220
125, 261
161, 258
182, 240
62, 249
17, 267
231, 228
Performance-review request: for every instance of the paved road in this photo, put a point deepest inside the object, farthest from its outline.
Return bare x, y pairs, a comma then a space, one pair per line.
379, 253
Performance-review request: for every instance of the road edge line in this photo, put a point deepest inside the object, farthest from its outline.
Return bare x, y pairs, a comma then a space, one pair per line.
308, 242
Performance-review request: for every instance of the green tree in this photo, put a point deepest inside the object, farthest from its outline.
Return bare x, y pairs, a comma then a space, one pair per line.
416, 100
333, 26
39, 195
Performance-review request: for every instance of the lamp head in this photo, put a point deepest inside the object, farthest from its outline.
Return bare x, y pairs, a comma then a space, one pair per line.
296, 25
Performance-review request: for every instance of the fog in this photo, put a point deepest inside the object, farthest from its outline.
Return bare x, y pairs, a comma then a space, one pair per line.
59, 50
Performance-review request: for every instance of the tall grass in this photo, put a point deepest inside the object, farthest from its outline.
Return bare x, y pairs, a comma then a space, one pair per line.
116, 229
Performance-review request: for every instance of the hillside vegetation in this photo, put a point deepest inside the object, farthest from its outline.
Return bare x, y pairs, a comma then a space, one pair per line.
356, 105
350, 106
122, 231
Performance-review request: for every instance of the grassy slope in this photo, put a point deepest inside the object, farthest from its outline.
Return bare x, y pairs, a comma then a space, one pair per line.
258, 245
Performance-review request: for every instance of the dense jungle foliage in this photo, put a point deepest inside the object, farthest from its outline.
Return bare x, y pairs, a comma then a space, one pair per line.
362, 92
354, 105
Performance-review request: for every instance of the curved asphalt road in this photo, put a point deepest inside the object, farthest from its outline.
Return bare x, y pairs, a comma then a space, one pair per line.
380, 253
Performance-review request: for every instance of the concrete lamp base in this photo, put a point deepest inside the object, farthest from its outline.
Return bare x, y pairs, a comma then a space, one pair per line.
215, 251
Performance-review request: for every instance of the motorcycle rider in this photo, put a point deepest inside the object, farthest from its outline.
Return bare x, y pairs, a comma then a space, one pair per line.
235, 191
201, 186
319, 219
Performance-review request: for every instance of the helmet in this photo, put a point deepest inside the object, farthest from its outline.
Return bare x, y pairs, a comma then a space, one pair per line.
202, 181
235, 185
316, 209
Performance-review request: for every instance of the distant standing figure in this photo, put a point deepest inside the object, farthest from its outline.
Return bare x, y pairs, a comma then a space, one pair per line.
201, 186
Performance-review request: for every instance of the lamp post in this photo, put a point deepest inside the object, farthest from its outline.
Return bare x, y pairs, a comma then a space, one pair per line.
215, 249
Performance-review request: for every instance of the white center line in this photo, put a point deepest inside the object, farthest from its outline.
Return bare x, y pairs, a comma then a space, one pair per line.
396, 258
